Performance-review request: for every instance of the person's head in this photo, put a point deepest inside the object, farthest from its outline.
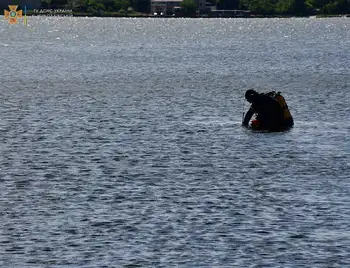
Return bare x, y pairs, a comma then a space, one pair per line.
250, 95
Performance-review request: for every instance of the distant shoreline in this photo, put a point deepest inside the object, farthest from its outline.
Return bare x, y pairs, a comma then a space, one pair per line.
142, 15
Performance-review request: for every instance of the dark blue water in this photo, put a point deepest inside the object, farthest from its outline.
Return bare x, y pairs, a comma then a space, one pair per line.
122, 146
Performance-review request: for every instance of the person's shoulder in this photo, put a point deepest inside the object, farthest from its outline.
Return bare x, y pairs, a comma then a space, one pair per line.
264, 96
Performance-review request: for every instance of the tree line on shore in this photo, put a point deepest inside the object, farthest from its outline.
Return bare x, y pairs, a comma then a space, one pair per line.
257, 7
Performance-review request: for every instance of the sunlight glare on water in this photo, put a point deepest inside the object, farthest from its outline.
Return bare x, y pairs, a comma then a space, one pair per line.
122, 143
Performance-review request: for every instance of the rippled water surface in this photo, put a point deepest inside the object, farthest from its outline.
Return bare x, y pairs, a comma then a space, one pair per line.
122, 146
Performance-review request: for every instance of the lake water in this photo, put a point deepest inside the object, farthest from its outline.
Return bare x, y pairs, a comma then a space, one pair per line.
122, 145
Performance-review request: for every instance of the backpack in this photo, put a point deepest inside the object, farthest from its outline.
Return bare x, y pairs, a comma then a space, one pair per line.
282, 102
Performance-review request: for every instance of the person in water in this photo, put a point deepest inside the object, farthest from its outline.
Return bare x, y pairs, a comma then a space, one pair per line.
271, 109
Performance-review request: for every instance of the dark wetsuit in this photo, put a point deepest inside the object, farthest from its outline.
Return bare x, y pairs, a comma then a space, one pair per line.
269, 112
287, 123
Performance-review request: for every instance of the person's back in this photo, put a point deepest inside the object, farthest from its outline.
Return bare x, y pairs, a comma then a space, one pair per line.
270, 114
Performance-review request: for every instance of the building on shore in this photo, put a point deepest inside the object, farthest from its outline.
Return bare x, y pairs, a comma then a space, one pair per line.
30, 4
168, 7
164, 7
173, 8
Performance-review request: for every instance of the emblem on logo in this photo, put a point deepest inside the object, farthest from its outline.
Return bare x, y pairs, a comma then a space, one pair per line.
13, 14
